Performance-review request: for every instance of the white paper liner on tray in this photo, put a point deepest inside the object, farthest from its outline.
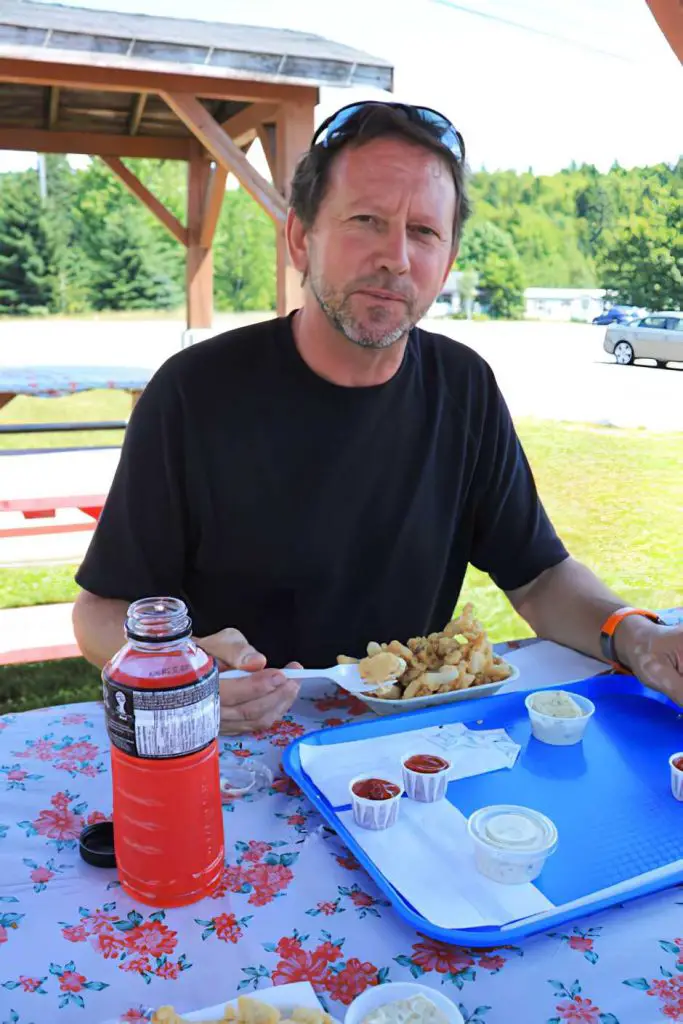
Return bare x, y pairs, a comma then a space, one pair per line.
284, 997
470, 751
427, 856
429, 841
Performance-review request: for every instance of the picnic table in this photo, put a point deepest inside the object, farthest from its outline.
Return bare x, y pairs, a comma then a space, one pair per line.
293, 905
38, 484
57, 381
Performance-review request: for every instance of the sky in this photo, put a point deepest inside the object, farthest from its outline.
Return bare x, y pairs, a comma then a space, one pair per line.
529, 83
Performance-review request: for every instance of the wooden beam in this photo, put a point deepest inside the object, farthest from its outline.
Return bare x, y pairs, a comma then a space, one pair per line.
92, 143
141, 191
199, 265
136, 113
293, 133
108, 73
213, 203
669, 16
52, 107
226, 153
242, 127
266, 136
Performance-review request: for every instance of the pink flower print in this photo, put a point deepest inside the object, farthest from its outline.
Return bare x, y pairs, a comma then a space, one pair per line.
100, 921
74, 718
580, 942
42, 750
151, 937
75, 933
80, 751
41, 875
30, 984
58, 824
136, 965
327, 908
70, 981
579, 1011
256, 851
168, 970
16, 775
107, 944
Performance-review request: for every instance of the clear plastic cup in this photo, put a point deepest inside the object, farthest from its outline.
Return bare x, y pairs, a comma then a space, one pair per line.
676, 776
375, 814
559, 732
511, 843
425, 787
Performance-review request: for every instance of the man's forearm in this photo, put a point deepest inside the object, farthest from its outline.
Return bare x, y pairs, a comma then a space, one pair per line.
569, 604
99, 626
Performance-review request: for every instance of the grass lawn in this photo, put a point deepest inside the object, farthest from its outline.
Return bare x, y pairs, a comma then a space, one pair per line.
615, 496
88, 405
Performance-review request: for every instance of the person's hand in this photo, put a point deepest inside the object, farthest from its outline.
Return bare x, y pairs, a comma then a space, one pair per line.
654, 653
259, 700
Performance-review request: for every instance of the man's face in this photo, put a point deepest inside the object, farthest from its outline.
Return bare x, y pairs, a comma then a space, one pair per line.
382, 242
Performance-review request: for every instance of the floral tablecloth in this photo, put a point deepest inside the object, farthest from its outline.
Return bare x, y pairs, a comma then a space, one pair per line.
293, 905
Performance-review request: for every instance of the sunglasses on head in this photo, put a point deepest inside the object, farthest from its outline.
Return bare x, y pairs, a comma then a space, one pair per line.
348, 121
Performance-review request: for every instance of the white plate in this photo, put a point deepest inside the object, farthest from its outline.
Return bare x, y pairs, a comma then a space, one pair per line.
393, 707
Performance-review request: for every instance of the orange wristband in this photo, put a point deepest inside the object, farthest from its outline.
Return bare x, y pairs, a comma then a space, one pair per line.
609, 628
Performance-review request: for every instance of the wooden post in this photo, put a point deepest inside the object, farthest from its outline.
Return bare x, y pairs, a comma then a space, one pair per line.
294, 129
199, 277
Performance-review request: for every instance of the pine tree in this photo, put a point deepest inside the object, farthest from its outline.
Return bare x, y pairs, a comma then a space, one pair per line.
26, 275
127, 274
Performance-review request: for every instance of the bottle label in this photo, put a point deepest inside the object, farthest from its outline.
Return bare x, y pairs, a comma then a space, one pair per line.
162, 723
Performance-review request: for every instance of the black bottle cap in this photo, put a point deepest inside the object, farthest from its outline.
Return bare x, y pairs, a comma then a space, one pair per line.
96, 845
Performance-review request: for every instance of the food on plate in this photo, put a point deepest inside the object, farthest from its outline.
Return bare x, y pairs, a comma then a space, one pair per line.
375, 789
556, 704
250, 1011
458, 657
414, 1010
382, 667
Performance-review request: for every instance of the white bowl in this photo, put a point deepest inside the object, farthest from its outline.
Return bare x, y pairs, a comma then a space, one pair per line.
391, 992
676, 776
559, 732
393, 707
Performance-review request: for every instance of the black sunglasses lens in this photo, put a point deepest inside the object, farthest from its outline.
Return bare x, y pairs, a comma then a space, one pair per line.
447, 135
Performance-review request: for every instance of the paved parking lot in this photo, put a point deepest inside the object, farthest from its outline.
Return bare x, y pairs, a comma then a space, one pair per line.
549, 371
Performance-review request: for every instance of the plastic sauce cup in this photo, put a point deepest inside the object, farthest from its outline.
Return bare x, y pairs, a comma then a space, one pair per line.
511, 843
559, 732
425, 786
375, 814
676, 776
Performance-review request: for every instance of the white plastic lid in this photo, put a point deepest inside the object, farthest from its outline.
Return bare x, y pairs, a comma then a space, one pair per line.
509, 827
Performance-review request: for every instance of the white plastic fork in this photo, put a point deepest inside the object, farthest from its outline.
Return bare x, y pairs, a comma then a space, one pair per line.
346, 676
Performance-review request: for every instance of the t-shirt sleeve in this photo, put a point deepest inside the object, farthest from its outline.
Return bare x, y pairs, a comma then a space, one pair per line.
513, 538
140, 545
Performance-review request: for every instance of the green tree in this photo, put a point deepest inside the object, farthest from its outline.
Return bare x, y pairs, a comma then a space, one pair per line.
70, 280
26, 276
644, 264
244, 255
491, 252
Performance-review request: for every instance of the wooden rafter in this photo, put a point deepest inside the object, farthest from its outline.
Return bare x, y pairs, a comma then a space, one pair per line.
52, 108
93, 143
134, 185
266, 136
136, 112
224, 151
48, 69
215, 191
243, 127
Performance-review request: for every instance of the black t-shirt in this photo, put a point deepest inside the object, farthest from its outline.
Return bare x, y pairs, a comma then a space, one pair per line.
314, 517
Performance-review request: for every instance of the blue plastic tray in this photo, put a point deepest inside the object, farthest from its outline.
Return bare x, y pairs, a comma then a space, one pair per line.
610, 797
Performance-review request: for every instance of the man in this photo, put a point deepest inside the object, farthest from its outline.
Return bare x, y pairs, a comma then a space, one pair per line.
313, 482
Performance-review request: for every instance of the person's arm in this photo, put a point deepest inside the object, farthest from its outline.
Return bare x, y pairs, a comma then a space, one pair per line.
98, 626
569, 604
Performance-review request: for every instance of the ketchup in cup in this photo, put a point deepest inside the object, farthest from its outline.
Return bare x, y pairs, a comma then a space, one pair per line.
162, 712
375, 789
426, 764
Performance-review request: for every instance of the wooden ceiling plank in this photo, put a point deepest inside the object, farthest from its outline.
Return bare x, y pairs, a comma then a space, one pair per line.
224, 151
136, 187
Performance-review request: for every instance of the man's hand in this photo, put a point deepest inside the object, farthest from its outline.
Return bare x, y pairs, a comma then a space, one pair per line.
654, 653
258, 701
